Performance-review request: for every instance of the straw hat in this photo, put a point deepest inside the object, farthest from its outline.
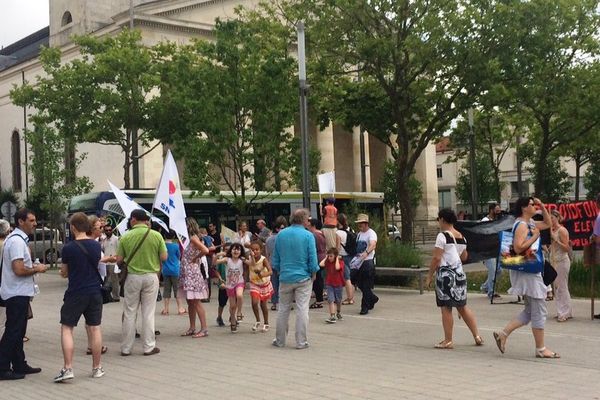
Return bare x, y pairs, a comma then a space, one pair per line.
362, 218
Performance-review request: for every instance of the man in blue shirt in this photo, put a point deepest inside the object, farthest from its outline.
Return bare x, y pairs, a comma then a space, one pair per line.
17, 288
295, 260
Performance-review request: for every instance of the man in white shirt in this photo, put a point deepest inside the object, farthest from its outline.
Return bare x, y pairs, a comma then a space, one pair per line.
17, 288
366, 242
109, 244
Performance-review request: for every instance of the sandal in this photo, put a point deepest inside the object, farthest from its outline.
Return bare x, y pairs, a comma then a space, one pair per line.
444, 345
189, 332
315, 305
539, 353
478, 340
240, 317
182, 312
200, 334
89, 351
265, 328
256, 326
274, 307
348, 302
501, 344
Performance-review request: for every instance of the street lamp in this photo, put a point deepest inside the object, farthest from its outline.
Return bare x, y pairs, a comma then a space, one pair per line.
474, 199
303, 116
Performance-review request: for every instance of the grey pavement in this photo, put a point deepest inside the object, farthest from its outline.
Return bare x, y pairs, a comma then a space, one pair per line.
387, 354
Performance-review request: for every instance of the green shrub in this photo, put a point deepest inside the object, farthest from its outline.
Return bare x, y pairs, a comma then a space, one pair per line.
392, 255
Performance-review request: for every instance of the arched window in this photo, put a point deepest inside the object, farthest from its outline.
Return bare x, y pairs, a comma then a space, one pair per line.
67, 18
15, 148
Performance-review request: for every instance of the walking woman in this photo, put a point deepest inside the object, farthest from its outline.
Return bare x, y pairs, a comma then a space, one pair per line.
193, 281
559, 258
530, 286
451, 282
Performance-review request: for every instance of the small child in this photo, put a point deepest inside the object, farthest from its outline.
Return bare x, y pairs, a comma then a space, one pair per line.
334, 283
234, 282
170, 272
261, 288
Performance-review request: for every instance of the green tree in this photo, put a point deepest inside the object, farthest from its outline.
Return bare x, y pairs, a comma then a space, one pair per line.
591, 179
555, 179
234, 100
495, 132
101, 97
52, 187
550, 72
402, 70
486, 182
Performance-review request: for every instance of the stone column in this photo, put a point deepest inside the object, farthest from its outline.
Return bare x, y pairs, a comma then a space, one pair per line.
426, 173
356, 134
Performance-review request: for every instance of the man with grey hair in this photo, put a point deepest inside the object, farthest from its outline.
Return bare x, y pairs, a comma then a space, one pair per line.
295, 260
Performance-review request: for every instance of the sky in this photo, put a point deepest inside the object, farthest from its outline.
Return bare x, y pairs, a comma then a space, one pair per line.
20, 18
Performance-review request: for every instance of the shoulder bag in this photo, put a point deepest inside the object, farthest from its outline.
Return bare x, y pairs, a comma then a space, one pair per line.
530, 261
123, 265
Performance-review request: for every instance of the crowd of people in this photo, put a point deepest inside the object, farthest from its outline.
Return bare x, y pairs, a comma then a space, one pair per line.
285, 266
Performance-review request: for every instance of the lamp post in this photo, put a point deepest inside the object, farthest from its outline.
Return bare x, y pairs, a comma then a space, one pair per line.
474, 199
303, 116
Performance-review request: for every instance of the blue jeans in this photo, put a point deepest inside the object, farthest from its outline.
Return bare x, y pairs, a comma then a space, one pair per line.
11, 345
488, 285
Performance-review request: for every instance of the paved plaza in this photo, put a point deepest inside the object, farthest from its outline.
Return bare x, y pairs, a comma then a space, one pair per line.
387, 354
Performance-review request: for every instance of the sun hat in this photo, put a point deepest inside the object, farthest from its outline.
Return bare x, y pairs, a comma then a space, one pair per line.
362, 218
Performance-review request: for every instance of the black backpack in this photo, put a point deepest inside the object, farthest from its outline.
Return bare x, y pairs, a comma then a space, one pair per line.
350, 246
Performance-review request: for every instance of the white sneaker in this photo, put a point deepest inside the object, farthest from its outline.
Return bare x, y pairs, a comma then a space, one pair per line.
98, 372
64, 374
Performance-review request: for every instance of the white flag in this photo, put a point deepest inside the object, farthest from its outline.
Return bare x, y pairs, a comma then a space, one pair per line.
326, 182
170, 201
128, 205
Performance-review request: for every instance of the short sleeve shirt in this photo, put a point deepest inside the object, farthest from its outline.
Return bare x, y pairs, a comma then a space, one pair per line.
83, 268
16, 248
334, 276
171, 266
147, 259
451, 256
362, 242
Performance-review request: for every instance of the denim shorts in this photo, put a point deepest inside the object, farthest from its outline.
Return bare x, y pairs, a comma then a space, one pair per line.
334, 294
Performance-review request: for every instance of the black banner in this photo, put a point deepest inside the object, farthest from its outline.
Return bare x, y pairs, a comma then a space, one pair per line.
483, 241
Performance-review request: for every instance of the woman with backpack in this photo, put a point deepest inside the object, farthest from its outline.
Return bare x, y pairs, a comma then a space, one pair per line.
346, 245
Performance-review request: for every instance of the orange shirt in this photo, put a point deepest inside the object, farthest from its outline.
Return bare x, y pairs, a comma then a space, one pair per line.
330, 217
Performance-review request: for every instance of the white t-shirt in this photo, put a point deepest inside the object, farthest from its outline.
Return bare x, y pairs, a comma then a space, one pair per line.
362, 242
15, 248
343, 235
452, 252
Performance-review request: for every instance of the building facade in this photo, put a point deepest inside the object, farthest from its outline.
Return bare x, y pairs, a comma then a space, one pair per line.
356, 157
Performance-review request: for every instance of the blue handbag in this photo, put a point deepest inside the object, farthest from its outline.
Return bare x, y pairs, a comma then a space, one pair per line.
530, 261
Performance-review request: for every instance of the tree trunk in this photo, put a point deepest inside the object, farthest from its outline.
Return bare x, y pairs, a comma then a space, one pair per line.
577, 175
405, 203
127, 163
540, 162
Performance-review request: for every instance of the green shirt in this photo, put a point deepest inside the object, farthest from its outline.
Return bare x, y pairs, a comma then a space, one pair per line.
147, 259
